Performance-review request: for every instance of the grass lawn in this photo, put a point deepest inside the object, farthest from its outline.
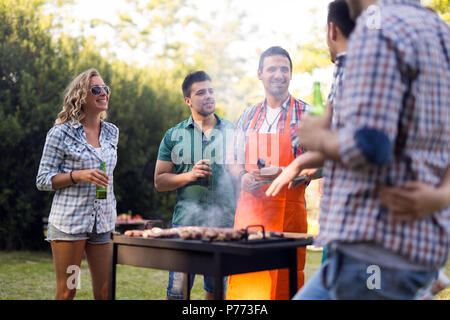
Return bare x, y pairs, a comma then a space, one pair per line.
30, 276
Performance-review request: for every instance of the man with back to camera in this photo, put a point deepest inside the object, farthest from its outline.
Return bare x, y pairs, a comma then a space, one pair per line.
339, 27
191, 161
394, 128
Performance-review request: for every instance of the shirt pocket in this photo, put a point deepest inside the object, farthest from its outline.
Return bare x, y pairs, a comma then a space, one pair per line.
110, 153
75, 153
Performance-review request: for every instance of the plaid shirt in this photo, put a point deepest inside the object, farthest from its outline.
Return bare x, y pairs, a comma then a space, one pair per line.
75, 208
338, 75
336, 86
397, 81
243, 126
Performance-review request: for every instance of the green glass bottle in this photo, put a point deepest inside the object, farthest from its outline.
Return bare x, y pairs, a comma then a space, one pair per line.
317, 108
206, 181
101, 192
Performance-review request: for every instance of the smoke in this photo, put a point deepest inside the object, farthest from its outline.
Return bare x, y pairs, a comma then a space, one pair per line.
210, 211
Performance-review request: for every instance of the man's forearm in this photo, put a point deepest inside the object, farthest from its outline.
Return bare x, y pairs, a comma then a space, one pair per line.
329, 145
310, 159
172, 181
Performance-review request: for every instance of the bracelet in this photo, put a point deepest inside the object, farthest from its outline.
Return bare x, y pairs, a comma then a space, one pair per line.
71, 178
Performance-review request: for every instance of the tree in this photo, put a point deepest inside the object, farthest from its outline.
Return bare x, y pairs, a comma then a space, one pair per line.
154, 27
30, 89
442, 7
37, 62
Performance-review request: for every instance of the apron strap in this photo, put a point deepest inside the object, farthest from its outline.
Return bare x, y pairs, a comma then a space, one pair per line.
258, 111
287, 123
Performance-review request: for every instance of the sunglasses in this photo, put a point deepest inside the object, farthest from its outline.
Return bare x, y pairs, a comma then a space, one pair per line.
97, 90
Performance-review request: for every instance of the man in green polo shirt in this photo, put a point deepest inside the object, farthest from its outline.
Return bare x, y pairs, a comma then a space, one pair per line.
191, 160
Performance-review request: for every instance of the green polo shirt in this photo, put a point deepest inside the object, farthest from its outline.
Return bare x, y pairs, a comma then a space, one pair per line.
199, 204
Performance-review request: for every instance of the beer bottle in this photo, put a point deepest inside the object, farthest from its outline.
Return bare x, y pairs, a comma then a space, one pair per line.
101, 192
317, 108
205, 182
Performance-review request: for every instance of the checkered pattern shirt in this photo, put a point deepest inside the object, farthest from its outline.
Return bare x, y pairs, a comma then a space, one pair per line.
244, 122
75, 208
397, 81
338, 75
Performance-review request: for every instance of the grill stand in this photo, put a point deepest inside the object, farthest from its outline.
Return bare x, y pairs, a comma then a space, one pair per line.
186, 285
213, 259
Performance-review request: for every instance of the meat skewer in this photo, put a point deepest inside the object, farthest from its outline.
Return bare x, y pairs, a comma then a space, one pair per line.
203, 233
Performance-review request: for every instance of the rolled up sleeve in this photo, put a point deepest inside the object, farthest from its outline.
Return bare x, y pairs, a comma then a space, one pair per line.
52, 157
371, 100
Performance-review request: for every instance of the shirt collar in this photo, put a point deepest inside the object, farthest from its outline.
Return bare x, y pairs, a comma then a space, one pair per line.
413, 2
77, 124
190, 122
364, 15
78, 128
340, 59
285, 105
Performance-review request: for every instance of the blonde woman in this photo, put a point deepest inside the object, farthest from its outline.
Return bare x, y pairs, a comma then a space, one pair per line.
74, 148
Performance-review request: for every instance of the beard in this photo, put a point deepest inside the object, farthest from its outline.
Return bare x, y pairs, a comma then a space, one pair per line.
277, 90
207, 108
205, 113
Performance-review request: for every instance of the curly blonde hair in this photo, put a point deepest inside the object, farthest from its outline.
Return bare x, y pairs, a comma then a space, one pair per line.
75, 98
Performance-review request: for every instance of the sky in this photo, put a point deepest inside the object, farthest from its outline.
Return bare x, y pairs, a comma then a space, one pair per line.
275, 20
275, 17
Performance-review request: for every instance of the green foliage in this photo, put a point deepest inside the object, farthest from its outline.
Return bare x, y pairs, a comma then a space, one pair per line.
442, 7
311, 56
154, 26
29, 91
35, 68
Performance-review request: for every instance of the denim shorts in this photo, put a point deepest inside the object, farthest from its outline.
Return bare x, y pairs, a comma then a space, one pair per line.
92, 237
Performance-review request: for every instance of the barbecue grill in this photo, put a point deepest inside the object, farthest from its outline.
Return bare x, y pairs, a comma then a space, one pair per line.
217, 259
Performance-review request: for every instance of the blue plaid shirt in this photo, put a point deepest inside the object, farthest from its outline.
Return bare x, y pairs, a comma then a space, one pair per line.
338, 76
397, 81
75, 208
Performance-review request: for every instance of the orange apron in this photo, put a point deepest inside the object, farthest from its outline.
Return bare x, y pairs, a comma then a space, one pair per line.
284, 212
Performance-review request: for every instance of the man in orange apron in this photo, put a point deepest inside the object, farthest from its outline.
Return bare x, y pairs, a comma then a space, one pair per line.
268, 131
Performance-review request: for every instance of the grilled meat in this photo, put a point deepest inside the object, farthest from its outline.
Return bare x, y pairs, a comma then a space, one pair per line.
204, 233
190, 233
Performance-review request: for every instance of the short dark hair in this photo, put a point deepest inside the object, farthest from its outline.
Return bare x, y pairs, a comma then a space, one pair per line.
197, 76
273, 51
339, 14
